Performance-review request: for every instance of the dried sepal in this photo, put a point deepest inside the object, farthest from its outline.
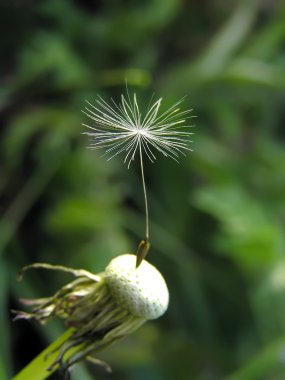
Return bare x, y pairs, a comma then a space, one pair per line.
61, 268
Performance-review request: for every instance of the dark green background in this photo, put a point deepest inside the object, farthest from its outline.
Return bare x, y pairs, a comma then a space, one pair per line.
217, 218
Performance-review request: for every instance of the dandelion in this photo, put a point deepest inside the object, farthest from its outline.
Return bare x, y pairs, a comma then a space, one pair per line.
123, 129
97, 309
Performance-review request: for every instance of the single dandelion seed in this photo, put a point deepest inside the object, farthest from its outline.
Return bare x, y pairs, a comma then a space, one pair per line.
123, 129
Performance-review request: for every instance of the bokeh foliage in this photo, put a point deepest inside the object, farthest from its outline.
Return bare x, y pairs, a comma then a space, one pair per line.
217, 218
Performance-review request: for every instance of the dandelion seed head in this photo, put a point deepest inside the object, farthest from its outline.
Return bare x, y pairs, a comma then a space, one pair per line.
121, 128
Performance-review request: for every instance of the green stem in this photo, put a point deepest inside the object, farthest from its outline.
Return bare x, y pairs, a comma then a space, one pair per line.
37, 369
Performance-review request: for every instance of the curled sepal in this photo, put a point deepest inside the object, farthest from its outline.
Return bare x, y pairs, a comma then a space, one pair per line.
61, 268
62, 302
99, 363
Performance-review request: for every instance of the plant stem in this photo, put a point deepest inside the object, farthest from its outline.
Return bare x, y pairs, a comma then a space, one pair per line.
38, 368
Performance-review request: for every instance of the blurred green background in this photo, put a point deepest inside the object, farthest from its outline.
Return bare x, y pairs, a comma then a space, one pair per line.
217, 218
